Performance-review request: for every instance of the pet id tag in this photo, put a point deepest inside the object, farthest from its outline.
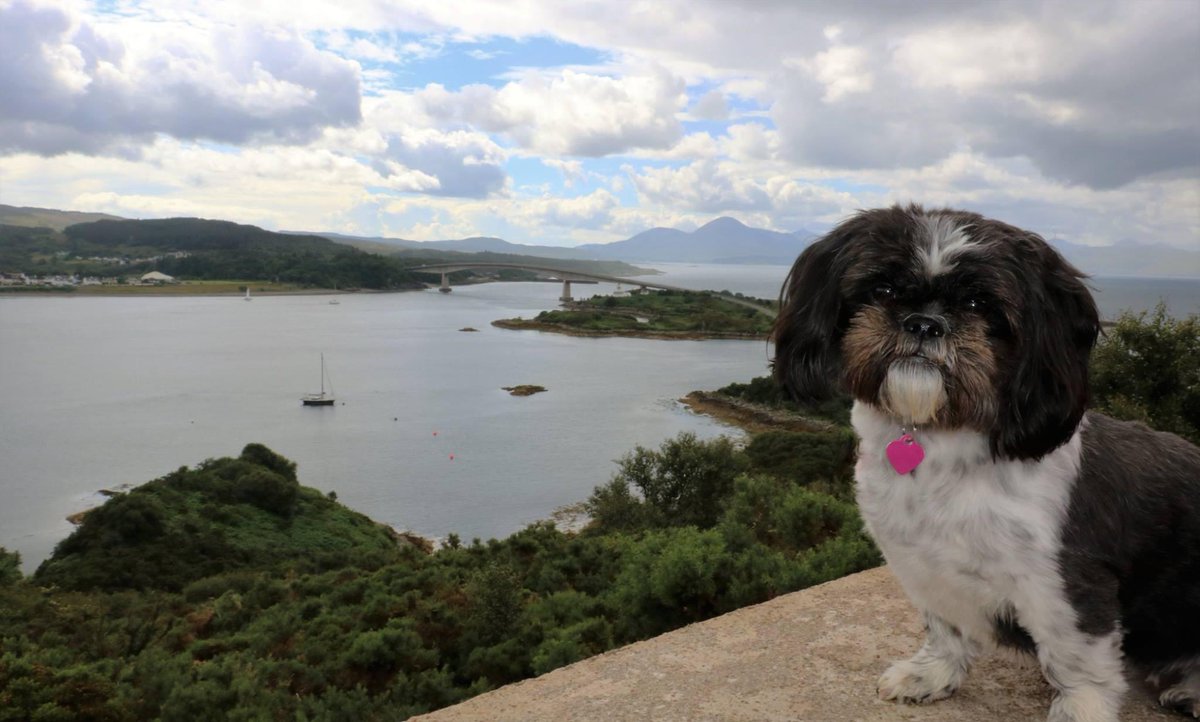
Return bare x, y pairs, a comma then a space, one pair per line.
904, 453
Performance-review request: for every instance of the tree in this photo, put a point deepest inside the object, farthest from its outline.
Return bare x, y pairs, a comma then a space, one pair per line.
683, 483
10, 567
615, 508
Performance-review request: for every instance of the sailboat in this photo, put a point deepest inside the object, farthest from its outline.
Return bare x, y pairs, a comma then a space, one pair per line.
247, 297
321, 399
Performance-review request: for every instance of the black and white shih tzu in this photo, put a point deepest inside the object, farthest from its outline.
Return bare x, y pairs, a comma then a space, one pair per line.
1010, 516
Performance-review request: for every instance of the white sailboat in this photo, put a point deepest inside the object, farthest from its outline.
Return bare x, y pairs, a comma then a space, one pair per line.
247, 297
321, 399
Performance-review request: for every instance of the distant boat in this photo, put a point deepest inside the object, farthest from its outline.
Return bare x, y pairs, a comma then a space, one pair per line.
321, 399
247, 297
334, 302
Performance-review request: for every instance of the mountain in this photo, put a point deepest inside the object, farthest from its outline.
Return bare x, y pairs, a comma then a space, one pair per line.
475, 244
48, 217
724, 240
194, 234
1132, 259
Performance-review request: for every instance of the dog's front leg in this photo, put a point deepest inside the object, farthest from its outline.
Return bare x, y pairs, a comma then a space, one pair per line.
1087, 673
936, 670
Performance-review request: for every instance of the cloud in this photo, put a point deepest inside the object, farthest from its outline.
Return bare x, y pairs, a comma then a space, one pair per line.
1100, 102
72, 85
593, 210
572, 170
569, 112
719, 188
464, 164
843, 70
711, 106
398, 135
1077, 117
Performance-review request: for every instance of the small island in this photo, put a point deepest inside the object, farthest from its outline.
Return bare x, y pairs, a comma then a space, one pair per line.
657, 314
523, 389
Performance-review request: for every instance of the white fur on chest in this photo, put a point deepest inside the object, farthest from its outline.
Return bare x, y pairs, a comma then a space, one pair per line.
968, 537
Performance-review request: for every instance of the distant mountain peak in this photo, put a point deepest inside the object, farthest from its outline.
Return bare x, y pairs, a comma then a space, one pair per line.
722, 223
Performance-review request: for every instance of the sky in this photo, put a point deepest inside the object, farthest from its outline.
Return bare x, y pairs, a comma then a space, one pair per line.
562, 122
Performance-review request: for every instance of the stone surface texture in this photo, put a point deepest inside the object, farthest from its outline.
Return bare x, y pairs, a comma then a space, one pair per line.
813, 655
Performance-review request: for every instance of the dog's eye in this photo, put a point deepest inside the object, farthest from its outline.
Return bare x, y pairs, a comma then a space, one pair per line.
974, 304
883, 293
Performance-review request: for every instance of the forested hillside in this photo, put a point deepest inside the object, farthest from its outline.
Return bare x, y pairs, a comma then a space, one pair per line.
197, 249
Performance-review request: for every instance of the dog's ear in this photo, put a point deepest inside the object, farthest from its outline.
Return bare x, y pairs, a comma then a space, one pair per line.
1044, 397
807, 331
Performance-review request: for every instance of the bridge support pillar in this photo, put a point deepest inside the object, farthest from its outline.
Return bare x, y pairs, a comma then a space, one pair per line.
566, 294
445, 287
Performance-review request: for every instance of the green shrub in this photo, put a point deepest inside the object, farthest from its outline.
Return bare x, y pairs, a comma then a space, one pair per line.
684, 482
264, 457
806, 457
1147, 368
10, 567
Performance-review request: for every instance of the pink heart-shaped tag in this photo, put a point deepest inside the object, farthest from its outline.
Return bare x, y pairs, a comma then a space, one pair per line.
905, 454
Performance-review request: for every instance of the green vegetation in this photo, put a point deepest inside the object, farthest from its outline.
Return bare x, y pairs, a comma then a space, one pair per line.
223, 516
47, 217
230, 591
1147, 368
194, 249
763, 391
682, 314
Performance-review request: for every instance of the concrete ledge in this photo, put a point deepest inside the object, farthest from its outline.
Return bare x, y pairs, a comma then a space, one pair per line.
809, 656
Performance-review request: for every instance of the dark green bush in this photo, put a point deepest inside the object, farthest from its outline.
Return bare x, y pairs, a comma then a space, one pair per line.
807, 457
1147, 368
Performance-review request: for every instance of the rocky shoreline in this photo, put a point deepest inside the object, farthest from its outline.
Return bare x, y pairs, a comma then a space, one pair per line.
751, 417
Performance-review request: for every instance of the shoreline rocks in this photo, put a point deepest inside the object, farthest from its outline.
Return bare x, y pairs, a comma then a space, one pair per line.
524, 389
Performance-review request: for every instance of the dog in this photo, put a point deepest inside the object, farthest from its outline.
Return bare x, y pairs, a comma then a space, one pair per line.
1011, 516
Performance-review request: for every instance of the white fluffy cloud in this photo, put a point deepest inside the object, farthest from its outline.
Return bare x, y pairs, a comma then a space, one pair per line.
71, 84
721, 188
569, 112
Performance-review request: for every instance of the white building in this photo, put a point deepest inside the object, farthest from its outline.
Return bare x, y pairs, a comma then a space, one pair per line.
156, 277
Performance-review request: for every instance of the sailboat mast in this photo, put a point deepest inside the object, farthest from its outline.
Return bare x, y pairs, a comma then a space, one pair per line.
322, 374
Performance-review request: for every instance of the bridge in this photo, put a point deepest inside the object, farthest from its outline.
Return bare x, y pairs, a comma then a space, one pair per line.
567, 276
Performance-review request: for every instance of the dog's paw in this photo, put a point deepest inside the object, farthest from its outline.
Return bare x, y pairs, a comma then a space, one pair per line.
1094, 704
1181, 698
919, 682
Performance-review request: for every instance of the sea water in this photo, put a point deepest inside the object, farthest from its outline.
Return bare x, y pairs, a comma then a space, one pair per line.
100, 393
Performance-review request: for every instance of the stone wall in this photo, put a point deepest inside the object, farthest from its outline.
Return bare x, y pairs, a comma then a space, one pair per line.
809, 656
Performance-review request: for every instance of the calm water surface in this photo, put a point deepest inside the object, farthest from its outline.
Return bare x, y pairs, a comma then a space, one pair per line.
103, 392
1113, 295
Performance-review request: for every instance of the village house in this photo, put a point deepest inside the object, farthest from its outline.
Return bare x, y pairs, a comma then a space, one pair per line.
155, 277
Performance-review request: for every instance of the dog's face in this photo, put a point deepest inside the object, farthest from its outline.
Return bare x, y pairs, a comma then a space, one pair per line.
942, 318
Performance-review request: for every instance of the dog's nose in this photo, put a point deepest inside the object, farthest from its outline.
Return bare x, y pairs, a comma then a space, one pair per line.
923, 327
